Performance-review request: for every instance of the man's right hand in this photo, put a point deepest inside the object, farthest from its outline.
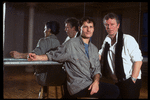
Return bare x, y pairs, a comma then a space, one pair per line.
34, 57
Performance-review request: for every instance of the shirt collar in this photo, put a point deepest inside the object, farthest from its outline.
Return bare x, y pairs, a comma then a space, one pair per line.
52, 35
75, 35
108, 39
81, 41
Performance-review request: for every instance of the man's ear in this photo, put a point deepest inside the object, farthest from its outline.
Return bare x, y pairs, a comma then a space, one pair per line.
74, 27
49, 30
118, 25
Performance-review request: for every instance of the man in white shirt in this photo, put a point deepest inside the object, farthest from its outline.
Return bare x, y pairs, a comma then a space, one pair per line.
127, 58
71, 28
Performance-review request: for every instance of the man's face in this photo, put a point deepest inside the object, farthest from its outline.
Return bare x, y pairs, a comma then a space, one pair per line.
87, 29
69, 30
111, 27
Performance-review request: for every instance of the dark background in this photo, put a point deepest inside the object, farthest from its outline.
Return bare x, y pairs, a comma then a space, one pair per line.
133, 15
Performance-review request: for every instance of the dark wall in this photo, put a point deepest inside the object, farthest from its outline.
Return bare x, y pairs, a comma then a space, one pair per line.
17, 19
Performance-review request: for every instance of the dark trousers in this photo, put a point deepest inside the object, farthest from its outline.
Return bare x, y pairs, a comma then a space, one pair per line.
106, 91
128, 89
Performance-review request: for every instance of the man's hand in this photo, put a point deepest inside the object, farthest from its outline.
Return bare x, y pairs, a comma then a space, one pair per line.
15, 54
34, 57
136, 69
94, 87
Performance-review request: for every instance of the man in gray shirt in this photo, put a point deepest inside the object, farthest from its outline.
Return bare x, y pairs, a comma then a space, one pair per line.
82, 64
50, 41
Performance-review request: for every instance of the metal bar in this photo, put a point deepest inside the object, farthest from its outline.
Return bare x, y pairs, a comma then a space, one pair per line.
25, 62
13, 59
4, 14
7, 63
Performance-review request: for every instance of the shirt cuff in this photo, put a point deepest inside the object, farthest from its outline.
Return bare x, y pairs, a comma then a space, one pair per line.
100, 52
97, 72
137, 58
49, 56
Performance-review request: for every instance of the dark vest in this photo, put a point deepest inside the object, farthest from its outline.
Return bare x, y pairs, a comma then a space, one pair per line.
119, 70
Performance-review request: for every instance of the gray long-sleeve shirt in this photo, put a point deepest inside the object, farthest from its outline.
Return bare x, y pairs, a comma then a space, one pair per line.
46, 44
80, 69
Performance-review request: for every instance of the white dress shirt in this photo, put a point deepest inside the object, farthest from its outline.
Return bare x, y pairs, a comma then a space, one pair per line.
130, 54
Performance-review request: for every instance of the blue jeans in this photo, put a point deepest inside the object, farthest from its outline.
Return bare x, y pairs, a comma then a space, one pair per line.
106, 91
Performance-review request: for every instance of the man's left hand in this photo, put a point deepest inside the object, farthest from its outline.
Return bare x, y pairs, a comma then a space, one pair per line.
94, 87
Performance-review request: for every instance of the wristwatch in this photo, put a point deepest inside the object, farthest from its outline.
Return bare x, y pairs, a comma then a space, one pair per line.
133, 79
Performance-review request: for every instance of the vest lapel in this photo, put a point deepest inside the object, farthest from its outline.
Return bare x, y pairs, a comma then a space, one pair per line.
119, 70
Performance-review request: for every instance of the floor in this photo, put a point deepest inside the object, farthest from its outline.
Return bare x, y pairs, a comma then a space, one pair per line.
19, 84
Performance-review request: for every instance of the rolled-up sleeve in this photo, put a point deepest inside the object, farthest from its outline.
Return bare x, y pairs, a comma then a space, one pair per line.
133, 48
95, 63
97, 69
40, 48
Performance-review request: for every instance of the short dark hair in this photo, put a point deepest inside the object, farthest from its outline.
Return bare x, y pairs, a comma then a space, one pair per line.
86, 19
54, 26
73, 22
111, 16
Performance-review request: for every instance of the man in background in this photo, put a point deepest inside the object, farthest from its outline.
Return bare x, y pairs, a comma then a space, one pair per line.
71, 28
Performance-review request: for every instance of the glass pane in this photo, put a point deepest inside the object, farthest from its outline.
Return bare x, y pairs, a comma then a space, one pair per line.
144, 39
145, 24
144, 44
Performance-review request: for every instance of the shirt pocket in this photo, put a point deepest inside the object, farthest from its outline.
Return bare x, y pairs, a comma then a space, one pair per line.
76, 57
80, 60
95, 62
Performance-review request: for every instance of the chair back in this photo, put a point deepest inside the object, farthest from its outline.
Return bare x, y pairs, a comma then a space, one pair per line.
50, 75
